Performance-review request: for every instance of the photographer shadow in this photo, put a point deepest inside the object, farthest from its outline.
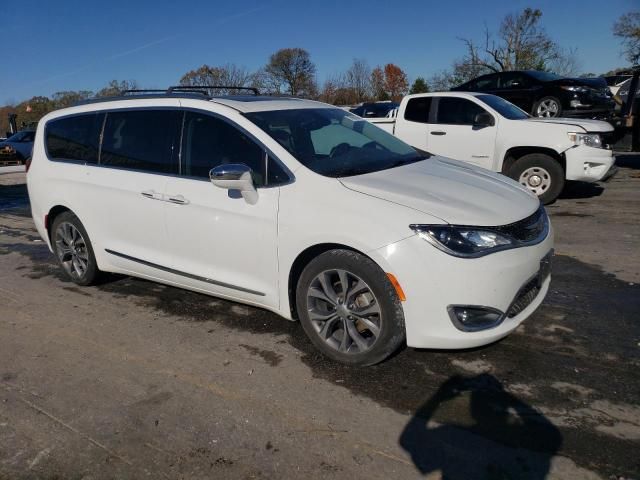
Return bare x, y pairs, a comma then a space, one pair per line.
472, 428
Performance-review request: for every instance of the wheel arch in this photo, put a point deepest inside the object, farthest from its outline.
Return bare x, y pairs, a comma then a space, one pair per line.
303, 259
54, 212
513, 154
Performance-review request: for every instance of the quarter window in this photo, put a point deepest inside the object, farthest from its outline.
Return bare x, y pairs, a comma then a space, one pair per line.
209, 142
418, 110
74, 138
457, 111
142, 140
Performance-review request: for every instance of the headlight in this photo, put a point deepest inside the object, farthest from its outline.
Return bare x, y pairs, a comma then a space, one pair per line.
587, 139
463, 241
575, 89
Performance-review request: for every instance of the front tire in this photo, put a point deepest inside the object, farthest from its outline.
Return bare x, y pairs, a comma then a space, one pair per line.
349, 308
547, 107
73, 249
539, 173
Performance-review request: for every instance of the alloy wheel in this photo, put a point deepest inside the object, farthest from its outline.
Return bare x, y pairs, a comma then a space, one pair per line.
536, 179
71, 249
548, 108
344, 311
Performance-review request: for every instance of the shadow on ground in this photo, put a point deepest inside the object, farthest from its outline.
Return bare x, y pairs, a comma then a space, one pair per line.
494, 435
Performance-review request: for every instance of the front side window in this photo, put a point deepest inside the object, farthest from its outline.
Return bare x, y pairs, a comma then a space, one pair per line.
457, 111
74, 138
208, 142
334, 143
143, 140
488, 82
513, 80
418, 110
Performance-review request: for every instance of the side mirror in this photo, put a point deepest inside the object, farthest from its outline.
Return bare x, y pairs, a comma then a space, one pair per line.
235, 176
483, 119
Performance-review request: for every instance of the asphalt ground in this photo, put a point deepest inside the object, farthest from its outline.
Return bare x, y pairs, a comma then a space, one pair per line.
131, 379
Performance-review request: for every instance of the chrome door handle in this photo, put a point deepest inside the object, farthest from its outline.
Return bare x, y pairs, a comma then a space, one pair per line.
152, 194
178, 199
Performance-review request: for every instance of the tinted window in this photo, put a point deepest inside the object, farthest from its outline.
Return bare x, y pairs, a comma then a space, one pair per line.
457, 111
74, 138
418, 110
513, 80
209, 141
333, 142
276, 174
142, 140
488, 82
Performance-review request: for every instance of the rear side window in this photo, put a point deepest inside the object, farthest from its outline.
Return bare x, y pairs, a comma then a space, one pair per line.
418, 110
209, 142
143, 140
457, 111
74, 138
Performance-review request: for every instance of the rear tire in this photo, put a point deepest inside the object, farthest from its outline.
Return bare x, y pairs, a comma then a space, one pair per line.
73, 250
349, 309
539, 173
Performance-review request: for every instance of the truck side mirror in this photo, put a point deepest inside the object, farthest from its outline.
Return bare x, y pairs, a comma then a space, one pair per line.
483, 119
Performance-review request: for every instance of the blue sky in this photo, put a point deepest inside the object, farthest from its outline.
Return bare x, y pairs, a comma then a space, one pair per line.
59, 45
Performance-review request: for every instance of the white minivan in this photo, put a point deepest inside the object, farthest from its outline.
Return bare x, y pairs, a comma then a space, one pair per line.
294, 206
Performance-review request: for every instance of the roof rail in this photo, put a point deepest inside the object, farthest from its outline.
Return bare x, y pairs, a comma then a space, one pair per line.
206, 88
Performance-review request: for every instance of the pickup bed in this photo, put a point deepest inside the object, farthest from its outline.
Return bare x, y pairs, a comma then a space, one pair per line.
490, 132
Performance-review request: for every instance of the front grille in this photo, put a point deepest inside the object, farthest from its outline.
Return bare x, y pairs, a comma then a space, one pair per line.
528, 229
525, 296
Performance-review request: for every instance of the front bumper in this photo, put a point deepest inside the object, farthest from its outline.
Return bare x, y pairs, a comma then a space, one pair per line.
588, 164
433, 280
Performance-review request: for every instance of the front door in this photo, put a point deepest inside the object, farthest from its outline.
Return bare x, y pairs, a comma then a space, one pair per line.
454, 135
220, 243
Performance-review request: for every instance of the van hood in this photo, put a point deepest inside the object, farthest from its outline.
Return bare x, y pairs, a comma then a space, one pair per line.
594, 126
453, 191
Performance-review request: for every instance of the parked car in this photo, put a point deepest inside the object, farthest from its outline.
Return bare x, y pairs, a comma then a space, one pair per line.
545, 94
374, 109
294, 206
489, 132
17, 147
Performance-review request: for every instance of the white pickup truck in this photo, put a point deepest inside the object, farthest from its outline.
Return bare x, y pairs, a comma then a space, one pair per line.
492, 133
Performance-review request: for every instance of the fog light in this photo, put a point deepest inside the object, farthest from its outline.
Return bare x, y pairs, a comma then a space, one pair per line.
474, 318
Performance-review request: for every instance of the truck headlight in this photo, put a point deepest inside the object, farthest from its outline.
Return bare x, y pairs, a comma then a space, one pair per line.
463, 241
586, 139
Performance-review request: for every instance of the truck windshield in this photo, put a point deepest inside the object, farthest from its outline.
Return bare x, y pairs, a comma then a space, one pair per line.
333, 142
503, 107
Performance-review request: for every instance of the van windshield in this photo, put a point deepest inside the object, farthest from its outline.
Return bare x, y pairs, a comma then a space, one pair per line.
333, 142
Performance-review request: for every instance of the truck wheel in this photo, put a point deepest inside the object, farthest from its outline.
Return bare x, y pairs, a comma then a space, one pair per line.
349, 308
547, 107
541, 174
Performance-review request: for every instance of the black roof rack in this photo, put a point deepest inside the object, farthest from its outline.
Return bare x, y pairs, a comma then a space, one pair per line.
206, 88
176, 91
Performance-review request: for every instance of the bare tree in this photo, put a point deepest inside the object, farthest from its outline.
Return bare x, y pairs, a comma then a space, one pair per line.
358, 78
627, 27
291, 70
224, 75
522, 44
